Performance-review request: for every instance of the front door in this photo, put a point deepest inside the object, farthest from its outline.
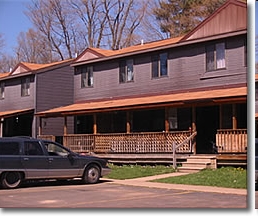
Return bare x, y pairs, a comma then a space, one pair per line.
207, 123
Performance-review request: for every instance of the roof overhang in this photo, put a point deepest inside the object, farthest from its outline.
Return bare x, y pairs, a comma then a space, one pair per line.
11, 113
227, 95
167, 46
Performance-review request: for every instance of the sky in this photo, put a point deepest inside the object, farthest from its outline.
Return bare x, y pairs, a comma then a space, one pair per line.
12, 22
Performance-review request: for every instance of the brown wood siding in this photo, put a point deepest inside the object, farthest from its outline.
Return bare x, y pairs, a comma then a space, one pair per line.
55, 89
186, 70
13, 99
231, 18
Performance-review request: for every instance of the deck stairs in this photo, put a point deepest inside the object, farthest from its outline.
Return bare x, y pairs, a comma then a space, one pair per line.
195, 163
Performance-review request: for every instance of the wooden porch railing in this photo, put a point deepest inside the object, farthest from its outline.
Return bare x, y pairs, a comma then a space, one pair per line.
160, 142
231, 141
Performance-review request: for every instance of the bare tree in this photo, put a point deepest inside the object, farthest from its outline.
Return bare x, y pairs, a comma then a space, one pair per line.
92, 21
32, 47
123, 18
52, 18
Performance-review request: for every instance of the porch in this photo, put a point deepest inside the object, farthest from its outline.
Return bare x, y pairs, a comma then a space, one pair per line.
157, 147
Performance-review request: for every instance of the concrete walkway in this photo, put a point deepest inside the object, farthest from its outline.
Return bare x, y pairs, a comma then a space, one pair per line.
145, 182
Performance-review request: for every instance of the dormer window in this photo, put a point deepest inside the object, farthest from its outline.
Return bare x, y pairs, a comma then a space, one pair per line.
25, 87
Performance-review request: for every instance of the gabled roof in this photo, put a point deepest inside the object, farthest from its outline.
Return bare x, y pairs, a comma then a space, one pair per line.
26, 66
92, 53
230, 17
5, 74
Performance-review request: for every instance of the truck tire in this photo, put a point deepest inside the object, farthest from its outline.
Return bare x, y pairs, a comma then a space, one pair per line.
91, 174
11, 180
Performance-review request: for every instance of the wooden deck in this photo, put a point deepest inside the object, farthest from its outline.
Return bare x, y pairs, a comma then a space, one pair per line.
157, 147
238, 160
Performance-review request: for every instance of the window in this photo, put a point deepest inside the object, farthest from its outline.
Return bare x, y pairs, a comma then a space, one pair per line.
25, 87
2, 90
215, 57
9, 148
32, 148
86, 76
55, 150
159, 65
126, 71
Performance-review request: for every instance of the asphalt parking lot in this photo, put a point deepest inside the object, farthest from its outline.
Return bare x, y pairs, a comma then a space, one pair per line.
112, 194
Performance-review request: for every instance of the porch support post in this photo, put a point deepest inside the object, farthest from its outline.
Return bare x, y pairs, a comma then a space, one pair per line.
128, 122
65, 125
94, 123
220, 116
40, 126
234, 116
194, 128
166, 119
1, 126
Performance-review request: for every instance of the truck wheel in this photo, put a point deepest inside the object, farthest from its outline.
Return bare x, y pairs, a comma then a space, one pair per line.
91, 174
11, 180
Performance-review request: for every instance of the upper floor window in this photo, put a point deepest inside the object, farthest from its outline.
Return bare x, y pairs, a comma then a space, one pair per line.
126, 71
25, 87
2, 86
159, 65
87, 76
215, 57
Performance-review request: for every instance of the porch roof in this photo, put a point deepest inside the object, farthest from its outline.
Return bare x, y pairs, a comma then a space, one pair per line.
11, 113
176, 99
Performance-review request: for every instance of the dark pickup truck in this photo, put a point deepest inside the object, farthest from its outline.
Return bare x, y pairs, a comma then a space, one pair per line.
23, 158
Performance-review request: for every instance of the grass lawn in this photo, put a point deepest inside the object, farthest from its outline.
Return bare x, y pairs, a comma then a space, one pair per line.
136, 171
228, 177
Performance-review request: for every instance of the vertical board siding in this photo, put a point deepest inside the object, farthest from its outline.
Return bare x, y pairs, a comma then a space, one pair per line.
55, 89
